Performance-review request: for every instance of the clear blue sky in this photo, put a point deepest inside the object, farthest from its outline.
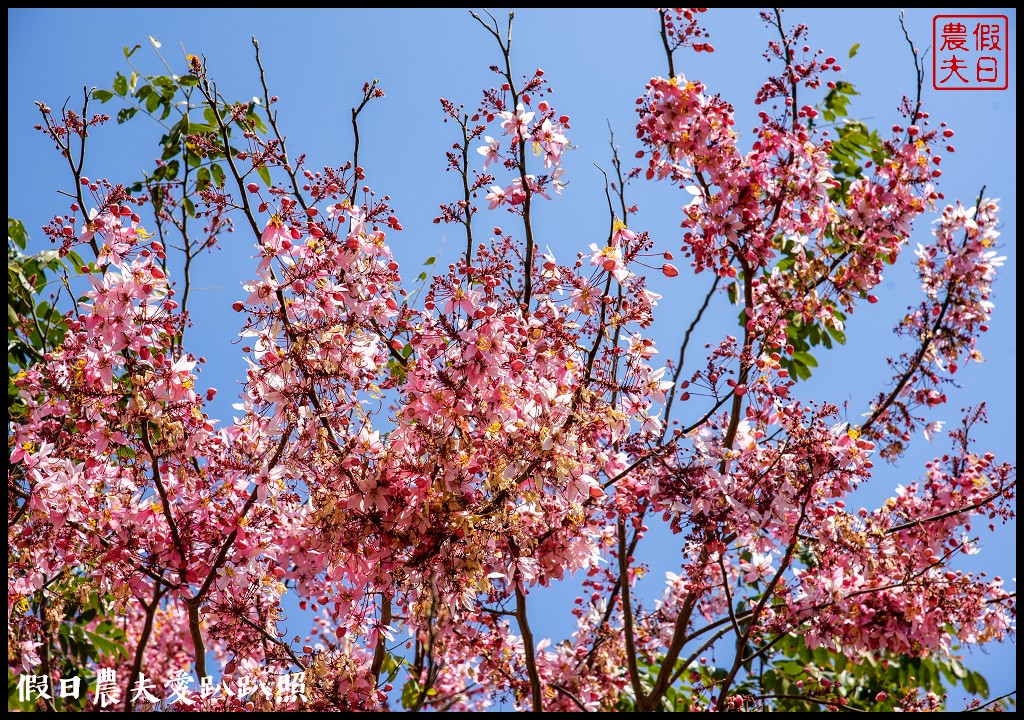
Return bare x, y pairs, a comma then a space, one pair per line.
597, 62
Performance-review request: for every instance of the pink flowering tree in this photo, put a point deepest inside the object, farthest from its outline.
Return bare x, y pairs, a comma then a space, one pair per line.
414, 462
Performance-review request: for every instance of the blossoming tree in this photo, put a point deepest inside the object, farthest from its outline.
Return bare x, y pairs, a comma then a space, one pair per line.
414, 462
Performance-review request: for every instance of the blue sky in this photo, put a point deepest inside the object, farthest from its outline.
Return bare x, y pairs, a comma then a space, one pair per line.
597, 62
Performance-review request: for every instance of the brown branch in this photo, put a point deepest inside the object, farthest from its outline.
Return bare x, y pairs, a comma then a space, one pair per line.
768, 592
272, 117
209, 93
140, 649
820, 701
610, 605
684, 666
682, 351
748, 343
792, 109
921, 352
196, 631
627, 614
468, 221
918, 70
664, 41
380, 651
44, 649
661, 684
367, 96
728, 597
569, 695
76, 168
950, 513
276, 640
432, 668
165, 503
993, 701
506, 50
536, 692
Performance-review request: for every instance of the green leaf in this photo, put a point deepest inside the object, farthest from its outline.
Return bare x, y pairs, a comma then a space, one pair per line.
430, 260
190, 207
203, 179
197, 128
969, 684
800, 370
16, 232
981, 684
133, 81
805, 358
152, 102
104, 646
126, 114
128, 53
218, 174
410, 694
854, 49
102, 95
264, 174
188, 80
121, 85
87, 617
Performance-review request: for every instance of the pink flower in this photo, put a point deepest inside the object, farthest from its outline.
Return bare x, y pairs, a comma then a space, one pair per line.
113, 253
551, 141
620, 233
276, 236
489, 151
931, 428
655, 386
759, 566
585, 298
556, 180
515, 123
337, 211
609, 258
462, 300
97, 223
496, 197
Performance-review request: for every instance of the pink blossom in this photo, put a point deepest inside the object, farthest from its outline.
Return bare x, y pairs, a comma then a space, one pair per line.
489, 151
515, 124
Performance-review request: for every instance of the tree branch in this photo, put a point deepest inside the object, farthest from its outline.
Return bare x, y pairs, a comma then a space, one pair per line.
536, 691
